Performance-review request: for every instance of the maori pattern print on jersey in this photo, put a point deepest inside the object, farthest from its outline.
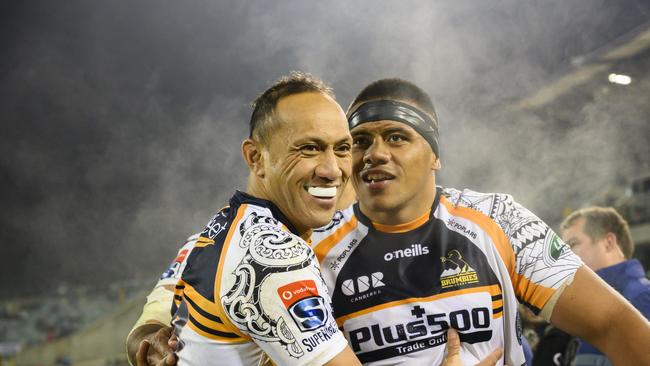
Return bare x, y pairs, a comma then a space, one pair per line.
269, 250
534, 243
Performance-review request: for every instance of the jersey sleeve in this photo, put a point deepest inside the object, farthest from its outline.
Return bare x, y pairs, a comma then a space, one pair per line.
161, 297
278, 297
544, 264
175, 270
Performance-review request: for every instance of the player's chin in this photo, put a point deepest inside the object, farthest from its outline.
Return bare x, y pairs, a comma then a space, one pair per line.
379, 202
319, 217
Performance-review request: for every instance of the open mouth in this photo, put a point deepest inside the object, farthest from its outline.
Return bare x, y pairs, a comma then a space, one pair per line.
322, 192
376, 177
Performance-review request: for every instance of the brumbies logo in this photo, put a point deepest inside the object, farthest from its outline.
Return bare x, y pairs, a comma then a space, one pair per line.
304, 304
456, 271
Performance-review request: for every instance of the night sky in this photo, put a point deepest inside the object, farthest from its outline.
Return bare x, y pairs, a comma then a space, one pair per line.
122, 121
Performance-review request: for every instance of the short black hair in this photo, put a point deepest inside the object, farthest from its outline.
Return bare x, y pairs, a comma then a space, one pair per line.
396, 89
602, 220
263, 117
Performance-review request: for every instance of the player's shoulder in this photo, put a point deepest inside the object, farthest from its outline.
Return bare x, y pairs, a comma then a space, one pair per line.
488, 204
341, 218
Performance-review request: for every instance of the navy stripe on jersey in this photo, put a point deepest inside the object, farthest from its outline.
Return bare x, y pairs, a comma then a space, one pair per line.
210, 330
199, 271
204, 313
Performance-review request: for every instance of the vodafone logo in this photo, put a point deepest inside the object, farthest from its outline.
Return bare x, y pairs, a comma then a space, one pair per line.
304, 304
294, 291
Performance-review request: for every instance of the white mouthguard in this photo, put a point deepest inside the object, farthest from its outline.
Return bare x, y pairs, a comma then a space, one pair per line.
325, 192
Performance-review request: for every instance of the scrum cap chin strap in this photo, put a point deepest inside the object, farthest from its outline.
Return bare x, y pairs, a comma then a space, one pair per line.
379, 110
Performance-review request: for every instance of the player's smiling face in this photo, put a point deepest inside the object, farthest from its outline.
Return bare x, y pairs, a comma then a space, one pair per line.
309, 159
392, 168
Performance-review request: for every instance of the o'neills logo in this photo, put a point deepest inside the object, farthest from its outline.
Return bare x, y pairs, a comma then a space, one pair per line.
456, 271
413, 251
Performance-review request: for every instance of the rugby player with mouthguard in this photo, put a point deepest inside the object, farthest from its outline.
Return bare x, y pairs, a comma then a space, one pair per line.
251, 284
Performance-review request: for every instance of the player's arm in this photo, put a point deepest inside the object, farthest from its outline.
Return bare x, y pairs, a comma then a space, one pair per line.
592, 310
148, 341
345, 357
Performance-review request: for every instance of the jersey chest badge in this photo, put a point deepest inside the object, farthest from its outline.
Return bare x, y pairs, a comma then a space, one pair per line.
456, 271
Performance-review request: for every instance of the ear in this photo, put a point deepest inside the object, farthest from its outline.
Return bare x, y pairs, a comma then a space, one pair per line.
611, 243
252, 153
436, 163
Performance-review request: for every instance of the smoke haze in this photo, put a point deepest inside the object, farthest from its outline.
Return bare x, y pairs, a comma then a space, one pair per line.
121, 121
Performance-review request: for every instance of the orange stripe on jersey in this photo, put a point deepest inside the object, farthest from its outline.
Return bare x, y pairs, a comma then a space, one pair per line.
490, 227
402, 228
217, 281
532, 293
178, 292
203, 242
197, 317
212, 308
325, 245
488, 289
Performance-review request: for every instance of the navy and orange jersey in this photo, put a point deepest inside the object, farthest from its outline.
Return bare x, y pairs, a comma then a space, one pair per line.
250, 284
464, 264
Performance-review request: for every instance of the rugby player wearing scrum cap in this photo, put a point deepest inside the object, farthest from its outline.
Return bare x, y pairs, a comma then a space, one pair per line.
411, 260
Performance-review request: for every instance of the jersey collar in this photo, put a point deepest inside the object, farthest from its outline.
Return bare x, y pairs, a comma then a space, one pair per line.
240, 198
400, 228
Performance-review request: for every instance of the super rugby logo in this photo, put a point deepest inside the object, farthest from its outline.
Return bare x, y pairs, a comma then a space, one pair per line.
304, 304
456, 271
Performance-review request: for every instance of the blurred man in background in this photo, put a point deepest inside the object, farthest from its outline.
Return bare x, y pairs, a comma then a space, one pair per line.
601, 238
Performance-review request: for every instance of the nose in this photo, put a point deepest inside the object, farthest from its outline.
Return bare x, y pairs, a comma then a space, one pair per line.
328, 166
377, 153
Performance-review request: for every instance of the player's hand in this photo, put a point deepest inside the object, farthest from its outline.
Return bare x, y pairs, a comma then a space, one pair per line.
453, 352
157, 349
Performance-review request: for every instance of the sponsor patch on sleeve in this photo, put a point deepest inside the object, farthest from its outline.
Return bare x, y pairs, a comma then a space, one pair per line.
306, 306
175, 266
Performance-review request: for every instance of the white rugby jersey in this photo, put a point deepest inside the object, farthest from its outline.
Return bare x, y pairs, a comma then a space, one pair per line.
250, 284
397, 289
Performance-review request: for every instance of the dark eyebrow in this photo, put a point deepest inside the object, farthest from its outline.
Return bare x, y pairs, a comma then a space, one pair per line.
342, 141
396, 129
318, 141
387, 131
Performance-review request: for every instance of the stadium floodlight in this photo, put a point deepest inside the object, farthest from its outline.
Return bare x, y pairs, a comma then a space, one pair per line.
619, 79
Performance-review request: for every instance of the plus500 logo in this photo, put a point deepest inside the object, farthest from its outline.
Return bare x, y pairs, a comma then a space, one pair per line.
428, 324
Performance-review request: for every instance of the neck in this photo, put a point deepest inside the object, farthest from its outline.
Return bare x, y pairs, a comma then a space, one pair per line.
404, 212
256, 188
